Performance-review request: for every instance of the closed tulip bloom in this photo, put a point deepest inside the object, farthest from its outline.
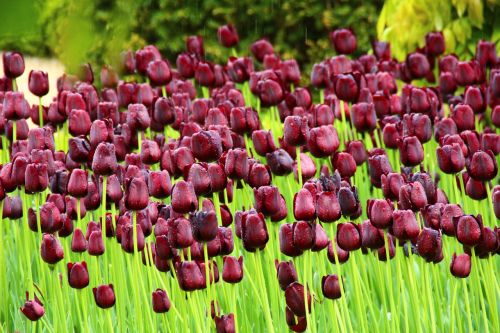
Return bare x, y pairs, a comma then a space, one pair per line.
158, 72
190, 276
270, 92
488, 243
286, 274
136, 193
78, 275
33, 309
77, 183
363, 116
304, 206
232, 271
95, 243
468, 229
495, 198
194, 45
490, 141
434, 43
378, 165
418, 65
204, 74
225, 324
179, 233
294, 297
330, 286
38, 83
263, 142
348, 236
371, 236
160, 301
482, 166
36, 178
295, 324
51, 250
345, 164
50, 218
150, 152
464, 73
104, 296
280, 162
379, 212
13, 64
228, 36
254, 232
460, 265
346, 87
127, 240
412, 196
323, 141
411, 151
138, 117
296, 130
447, 84
404, 226
206, 145
261, 48
159, 184
328, 207
236, 165
304, 235
243, 120
79, 122
259, 175
429, 244
78, 241
15, 107
287, 246
204, 226
463, 116
357, 150
40, 138
349, 201
450, 158
344, 41
218, 179
184, 197
267, 200
104, 162
474, 98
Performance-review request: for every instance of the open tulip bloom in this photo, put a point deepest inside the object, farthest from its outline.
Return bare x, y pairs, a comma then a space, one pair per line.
193, 196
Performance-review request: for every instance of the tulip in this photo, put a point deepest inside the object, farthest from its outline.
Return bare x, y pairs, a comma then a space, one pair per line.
294, 297
77, 183
348, 236
204, 226
50, 218
330, 286
261, 48
411, 152
450, 158
232, 272
78, 275
184, 198
404, 226
225, 324
263, 142
323, 141
36, 178
160, 301
15, 107
482, 166
51, 250
349, 201
206, 145
304, 206
96, 243
228, 36
429, 244
254, 232
13, 64
280, 162
38, 83
344, 41
194, 45
33, 309
296, 130
327, 207
380, 212
469, 229
346, 87
434, 43
244, 120
190, 276
104, 161
138, 117
412, 196
363, 116
418, 65
179, 233
128, 243
158, 72
78, 241
159, 185
460, 265
136, 194
287, 245
447, 84
104, 296
150, 152
464, 73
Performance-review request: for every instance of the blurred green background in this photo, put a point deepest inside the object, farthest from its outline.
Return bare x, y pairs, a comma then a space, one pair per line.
96, 31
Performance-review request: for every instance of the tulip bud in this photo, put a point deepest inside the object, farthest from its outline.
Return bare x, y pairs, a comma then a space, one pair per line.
51, 250
287, 245
327, 207
194, 45
228, 36
15, 107
236, 165
294, 297
460, 265
296, 130
344, 41
160, 301
379, 212
261, 48
33, 309
348, 236
346, 87
363, 116
36, 178
104, 296
482, 166
469, 229
429, 244
404, 225
77, 183
232, 272
280, 162
158, 72
104, 161
38, 83
78, 275
330, 286
411, 152
128, 242
136, 193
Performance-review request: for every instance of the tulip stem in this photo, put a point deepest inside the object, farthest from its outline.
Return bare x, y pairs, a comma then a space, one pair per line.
164, 91
467, 305
207, 279
78, 215
14, 85
40, 111
215, 197
299, 167
103, 211
14, 133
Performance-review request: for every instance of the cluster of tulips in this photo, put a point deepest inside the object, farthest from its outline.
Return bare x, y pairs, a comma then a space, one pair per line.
155, 181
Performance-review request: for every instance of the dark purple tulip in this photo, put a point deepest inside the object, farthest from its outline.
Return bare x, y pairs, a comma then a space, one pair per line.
345, 164
304, 206
160, 301
304, 235
206, 145
287, 245
204, 74
92, 200
78, 241
378, 165
496, 201
40, 138
267, 200
323, 141
13, 64
391, 135
104, 161
36, 178
194, 45
179, 233
232, 271
78, 275
308, 167
33, 309
346, 87
143, 57
138, 117
280, 162
495, 114
418, 125
371, 236
474, 98
150, 152
468, 229
184, 198
344, 41
218, 179
136, 193
363, 116
204, 225
243, 120
464, 73
449, 214
259, 175
411, 151
404, 226
159, 185
418, 65
79, 122
450, 158
254, 232
96, 243
228, 36
294, 297
127, 240
290, 71
108, 76
158, 72
357, 150
225, 324
382, 50
447, 84
349, 201
348, 236
15, 107
296, 130
486, 53
270, 92
482, 166
434, 43
51, 250
386, 253
490, 141
50, 218
488, 243
286, 274
327, 207
460, 265
295, 324
190, 276
77, 183
330, 286
379, 212
104, 296
412, 196
261, 48
463, 116
236, 165
38, 83
429, 244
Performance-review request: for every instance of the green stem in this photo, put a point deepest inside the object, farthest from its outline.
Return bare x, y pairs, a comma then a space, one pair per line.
299, 167
40, 111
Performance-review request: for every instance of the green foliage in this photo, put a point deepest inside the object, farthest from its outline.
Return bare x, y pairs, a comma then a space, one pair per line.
463, 22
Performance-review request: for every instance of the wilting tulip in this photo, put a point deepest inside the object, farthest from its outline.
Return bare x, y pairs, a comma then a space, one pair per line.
460, 265
344, 41
33, 309
78, 275
294, 297
468, 229
232, 272
51, 250
482, 166
104, 296
404, 225
450, 158
330, 286
160, 301
228, 36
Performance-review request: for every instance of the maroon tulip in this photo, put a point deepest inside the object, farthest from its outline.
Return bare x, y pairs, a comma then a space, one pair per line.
179, 233
33, 309
417, 65
104, 162
96, 243
77, 183
228, 36
78, 275
474, 98
344, 41
327, 207
190, 276
136, 193
463, 116
150, 152
379, 212
263, 142
296, 130
232, 272
261, 48
160, 301
225, 324
460, 265
36, 178
371, 236
411, 151
348, 236
15, 107
304, 206
184, 198
482, 166
434, 43
323, 141
429, 245
346, 87
404, 226
349, 201
158, 72
280, 162
447, 84
159, 185
51, 250
78, 241
357, 150
294, 297
104, 296
363, 116
330, 286
464, 73
412, 196
469, 229
194, 45
304, 235
287, 246
138, 117
206, 145
13, 64
204, 225
344, 163
450, 158
127, 240
254, 232
38, 83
